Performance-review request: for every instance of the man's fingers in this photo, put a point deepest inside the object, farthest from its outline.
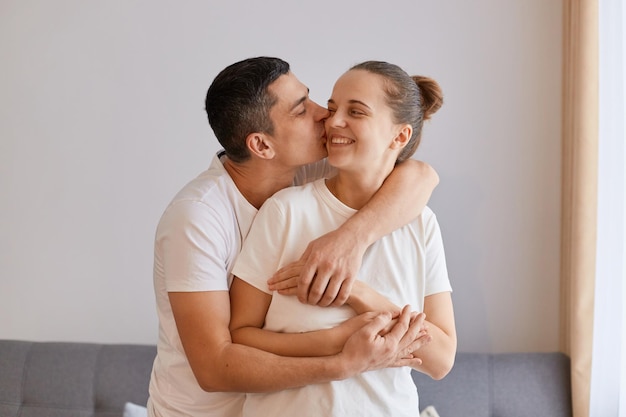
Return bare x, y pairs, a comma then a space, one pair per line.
304, 283
402, 327
335, 293
418, 319
376, 325
416, 326
422, 340
317, 289
410, 362
345, 289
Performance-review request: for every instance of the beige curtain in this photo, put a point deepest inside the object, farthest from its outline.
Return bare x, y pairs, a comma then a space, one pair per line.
579, 188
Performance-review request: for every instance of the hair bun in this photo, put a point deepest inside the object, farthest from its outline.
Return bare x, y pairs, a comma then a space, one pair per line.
432, 96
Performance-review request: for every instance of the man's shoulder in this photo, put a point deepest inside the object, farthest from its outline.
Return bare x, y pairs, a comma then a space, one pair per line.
207, 184
208, 196
212, 186
205, 187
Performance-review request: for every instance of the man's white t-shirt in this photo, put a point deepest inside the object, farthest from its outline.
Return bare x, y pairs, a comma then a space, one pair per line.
197, 240
405, 266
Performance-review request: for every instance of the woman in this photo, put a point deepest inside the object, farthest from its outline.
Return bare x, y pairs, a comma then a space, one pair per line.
377, 112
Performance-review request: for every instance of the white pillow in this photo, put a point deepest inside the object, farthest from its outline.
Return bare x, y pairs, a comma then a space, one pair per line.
134, 410
429, 412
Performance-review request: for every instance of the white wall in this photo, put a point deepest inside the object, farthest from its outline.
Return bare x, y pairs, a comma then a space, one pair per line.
101, 107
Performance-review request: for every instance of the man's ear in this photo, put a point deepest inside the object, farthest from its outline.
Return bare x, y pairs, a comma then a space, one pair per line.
260, 145
403, 137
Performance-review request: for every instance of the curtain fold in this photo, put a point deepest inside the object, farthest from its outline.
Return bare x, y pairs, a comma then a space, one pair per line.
579, 192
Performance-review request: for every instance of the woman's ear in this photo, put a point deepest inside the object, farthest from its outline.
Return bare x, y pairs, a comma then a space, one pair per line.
403, 137
259, 145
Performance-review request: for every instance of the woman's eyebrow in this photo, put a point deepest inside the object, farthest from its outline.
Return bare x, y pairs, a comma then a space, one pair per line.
359, 102
331, 101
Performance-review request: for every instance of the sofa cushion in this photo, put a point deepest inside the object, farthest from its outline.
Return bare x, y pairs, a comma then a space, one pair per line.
72, 379
12, 359
466, 388
88, 379
531, 384
505, 384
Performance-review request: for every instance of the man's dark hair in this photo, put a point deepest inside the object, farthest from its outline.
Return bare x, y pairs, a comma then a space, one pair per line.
238, 102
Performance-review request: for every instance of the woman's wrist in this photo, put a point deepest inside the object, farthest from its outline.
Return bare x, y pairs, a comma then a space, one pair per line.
330, 341
356, 299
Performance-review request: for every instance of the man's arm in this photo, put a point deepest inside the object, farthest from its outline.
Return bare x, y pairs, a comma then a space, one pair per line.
330, 263
202, 320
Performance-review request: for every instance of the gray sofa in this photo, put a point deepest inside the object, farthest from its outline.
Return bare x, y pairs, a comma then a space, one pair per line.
85, 379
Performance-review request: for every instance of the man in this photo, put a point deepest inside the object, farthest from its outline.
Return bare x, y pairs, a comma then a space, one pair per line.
269, 129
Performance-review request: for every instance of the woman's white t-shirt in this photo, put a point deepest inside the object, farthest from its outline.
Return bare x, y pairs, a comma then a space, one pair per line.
405, 266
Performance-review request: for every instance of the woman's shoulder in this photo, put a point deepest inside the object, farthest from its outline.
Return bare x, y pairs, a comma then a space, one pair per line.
427, 217
291, 197
428, 212
295, 191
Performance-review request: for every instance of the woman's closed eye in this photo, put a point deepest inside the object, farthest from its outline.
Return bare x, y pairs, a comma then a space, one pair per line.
356, 112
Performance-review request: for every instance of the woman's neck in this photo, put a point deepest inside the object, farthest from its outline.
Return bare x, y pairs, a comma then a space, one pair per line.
354, 190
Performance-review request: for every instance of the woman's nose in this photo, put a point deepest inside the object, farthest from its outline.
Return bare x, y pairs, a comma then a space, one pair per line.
335, 119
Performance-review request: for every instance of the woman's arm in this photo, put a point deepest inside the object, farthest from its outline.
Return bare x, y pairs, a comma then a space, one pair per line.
438, 355
249, 306
331, 262
364, 298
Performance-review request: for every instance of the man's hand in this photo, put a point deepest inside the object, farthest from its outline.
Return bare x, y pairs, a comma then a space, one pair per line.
407, 356
325, 273
373, 347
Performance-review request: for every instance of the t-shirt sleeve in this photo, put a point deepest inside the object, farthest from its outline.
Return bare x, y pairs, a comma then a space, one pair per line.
261, 251
315, 171
193, 248
436, 270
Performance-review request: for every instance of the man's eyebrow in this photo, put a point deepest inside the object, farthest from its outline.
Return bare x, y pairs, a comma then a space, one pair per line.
300, 100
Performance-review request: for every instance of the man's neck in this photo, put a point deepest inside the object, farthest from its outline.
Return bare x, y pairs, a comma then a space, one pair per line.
258, 180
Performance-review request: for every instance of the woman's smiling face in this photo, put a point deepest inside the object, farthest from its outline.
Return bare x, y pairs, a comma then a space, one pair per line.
360, 128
